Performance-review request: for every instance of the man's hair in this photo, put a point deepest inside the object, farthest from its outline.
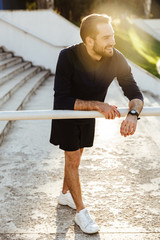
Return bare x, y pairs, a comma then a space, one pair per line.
89, 24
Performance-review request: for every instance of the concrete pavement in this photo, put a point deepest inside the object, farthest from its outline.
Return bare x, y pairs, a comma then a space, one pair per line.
120, 179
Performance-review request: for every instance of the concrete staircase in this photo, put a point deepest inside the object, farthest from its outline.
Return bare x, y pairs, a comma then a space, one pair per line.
18, 81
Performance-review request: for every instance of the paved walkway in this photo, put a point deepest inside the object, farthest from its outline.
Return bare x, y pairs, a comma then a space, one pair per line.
120, 179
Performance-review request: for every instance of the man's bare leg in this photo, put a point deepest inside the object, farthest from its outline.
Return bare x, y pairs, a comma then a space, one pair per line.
71, 179
65, 187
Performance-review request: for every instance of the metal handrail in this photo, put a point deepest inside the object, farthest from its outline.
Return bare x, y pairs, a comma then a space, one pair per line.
67, 114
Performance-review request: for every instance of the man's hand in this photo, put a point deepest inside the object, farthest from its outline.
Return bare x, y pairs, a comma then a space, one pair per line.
109, 111
128, 126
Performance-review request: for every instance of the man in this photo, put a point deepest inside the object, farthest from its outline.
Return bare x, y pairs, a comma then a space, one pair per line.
83, 75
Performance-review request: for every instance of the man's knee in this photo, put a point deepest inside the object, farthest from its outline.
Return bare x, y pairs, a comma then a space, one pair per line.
72, 158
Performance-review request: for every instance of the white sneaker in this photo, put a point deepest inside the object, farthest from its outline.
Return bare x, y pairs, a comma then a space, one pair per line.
67, 200
85, 222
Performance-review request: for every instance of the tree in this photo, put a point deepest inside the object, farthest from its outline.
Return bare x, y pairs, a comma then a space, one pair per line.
74, 10
147, 7
45, 4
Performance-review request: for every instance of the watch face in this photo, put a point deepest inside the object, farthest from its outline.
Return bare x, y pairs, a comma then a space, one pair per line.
133, 111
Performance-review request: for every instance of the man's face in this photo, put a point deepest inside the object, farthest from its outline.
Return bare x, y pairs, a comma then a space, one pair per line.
104, 41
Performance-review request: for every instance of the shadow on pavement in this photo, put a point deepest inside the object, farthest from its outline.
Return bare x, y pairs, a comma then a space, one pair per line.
66, 227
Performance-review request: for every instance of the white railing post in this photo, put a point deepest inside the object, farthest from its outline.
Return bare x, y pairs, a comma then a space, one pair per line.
66, 114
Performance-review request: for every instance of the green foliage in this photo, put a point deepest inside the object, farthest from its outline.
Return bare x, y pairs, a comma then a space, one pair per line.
138, 46
31, 5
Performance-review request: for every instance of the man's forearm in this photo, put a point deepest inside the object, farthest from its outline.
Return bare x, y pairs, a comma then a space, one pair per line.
109, 111
86, 105
136, 104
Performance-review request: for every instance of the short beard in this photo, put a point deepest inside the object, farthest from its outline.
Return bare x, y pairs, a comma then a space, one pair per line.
101, 52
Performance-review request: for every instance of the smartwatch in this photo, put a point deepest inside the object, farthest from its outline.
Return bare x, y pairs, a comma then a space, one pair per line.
134, 112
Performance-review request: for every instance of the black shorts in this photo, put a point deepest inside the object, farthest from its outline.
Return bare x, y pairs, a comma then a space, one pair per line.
72, 134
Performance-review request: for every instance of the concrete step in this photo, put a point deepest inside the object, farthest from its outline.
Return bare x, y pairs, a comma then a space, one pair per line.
5, 55
1, 49
9, 73
9, 62
22, 95
10, 87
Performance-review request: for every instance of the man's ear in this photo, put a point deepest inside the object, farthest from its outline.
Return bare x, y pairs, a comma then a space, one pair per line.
89, 41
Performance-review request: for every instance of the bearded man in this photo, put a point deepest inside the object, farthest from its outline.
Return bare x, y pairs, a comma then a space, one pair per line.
83, 75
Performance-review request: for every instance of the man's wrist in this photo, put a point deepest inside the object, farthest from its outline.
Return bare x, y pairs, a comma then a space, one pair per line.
133, 112
99, 106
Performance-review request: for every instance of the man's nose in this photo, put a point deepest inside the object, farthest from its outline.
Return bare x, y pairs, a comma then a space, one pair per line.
112, 41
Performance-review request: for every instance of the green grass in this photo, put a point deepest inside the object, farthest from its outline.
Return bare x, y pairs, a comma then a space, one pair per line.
137, 46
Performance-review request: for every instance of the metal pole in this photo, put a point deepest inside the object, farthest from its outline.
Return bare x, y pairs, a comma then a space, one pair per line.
66, 114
